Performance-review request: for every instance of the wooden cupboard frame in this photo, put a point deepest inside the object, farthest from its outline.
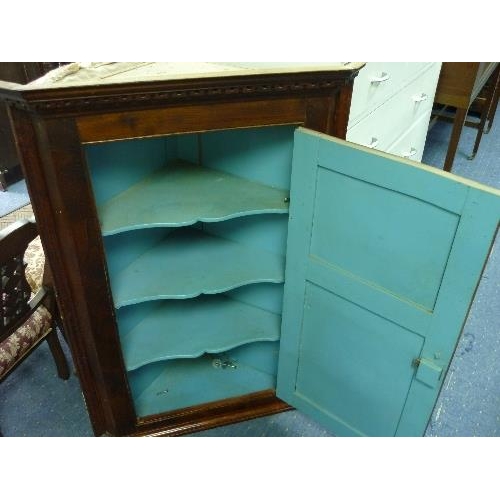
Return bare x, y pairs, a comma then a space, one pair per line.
52, 125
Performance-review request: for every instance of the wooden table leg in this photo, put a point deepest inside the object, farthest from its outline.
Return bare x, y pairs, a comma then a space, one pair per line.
3, 182
485, 113
480, 129
458, 124
494, 102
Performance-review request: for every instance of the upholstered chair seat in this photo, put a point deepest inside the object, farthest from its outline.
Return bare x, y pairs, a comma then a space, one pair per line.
38, 325
17, 345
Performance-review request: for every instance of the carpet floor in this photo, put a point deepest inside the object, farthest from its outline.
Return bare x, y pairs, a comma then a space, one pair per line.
14, 198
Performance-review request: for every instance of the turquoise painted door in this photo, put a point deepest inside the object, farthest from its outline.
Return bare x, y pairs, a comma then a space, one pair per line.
384, 256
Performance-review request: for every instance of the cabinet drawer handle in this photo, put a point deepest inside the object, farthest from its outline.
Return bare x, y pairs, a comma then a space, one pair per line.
373, 143
421, 97
382, 78
410, 153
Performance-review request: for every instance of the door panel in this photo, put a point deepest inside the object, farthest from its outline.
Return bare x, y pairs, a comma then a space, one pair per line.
372, 360
400, 259
383, 259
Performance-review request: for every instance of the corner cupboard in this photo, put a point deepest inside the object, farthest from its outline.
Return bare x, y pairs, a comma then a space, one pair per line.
220, 253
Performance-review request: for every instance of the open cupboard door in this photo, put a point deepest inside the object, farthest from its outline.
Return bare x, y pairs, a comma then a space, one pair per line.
384, 256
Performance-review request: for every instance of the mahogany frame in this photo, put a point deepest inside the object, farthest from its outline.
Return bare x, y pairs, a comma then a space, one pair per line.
51, 127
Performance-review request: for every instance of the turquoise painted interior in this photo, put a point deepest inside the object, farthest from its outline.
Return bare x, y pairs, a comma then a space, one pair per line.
116, 166
187, 262
166, 386
262, 154
187, 294
172, 329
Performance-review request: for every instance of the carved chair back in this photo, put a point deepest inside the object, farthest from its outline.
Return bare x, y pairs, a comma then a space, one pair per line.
16, 301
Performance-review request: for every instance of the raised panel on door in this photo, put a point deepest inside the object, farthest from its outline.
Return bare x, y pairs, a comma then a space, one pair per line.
384, 256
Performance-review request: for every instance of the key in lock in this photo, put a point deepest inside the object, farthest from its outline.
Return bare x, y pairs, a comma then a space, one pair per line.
223, 363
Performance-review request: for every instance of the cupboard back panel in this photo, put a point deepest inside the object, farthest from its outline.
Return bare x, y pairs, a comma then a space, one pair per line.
262, 232
261, 154
122, 249
116, 166
266, 296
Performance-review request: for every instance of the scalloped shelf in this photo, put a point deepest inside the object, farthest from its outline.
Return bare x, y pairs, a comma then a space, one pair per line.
190, 328
188, 263
183, 194
180, 383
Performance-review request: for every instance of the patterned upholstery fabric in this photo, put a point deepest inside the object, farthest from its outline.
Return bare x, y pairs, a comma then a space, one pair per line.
13, 347
39, 323
35, 258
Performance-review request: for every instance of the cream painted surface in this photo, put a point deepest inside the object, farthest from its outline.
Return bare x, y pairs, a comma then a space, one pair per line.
383, 112
376, 83
411, 144
79, 74
399, 112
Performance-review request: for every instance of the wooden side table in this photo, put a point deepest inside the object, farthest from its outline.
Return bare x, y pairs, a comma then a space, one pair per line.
459, 85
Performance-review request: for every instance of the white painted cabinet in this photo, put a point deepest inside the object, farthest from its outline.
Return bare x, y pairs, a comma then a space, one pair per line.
391, 107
